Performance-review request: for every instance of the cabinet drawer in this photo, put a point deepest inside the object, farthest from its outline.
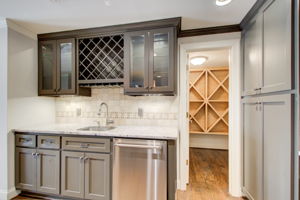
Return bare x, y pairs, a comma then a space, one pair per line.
24, 140
49, 142
86, 144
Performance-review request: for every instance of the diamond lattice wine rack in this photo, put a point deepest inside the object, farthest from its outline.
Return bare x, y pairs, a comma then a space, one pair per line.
101, 60
208, 112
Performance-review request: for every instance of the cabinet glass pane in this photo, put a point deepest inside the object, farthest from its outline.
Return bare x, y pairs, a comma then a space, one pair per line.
137, 61
66, 66
161, 59
48, 59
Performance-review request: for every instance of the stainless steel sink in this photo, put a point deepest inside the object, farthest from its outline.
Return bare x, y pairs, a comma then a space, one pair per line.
97, 128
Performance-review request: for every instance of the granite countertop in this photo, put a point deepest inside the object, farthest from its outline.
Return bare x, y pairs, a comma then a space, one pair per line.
147, 132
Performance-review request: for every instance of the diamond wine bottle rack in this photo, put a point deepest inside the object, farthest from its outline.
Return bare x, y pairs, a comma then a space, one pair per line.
100, 60
209, 100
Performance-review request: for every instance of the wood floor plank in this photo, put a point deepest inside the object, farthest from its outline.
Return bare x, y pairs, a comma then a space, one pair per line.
208, 176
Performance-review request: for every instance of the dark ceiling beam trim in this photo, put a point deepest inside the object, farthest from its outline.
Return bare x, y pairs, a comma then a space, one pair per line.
114, 29
210, 30
252, 12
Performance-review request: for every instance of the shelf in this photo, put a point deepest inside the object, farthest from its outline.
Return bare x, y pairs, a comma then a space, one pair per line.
210, 133
100, 59
209, 100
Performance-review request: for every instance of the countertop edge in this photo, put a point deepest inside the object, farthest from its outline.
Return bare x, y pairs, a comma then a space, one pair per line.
91, 134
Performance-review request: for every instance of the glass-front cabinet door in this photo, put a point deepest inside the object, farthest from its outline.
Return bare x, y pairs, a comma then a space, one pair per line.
161, 60
47, 67
66, 66
136, 61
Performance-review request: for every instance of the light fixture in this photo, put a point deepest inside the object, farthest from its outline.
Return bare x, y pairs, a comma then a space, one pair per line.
222, 2
107, 3
199, 60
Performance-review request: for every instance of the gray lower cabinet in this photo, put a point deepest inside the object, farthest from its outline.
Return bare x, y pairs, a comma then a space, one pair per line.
25, 169
48, 171
37, 170
267, 144
72, 174
97, 176
85, 175
252, 149
277, 129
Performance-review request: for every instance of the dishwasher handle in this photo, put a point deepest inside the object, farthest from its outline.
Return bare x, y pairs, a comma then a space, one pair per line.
138, 146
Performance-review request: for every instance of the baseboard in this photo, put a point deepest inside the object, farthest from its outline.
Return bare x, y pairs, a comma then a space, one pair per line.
209, 141
7, 195
247, 194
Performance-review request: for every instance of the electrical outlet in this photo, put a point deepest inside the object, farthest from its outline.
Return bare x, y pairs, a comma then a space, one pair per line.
78, 112
140, 112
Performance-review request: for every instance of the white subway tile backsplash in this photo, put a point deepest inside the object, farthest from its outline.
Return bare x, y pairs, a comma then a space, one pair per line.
158, 110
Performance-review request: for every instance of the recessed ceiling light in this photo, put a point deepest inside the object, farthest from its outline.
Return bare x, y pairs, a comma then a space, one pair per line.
199, 60
107, 2
222, 2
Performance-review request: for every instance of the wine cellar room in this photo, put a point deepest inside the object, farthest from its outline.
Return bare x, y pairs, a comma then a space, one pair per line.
208, 98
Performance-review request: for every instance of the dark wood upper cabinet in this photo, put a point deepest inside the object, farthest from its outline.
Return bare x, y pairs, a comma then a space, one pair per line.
66, 70
47, 67
149, 60
142, 56
57, 68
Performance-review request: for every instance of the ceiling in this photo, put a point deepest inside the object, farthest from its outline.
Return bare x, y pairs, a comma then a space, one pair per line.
42, 16
216, 58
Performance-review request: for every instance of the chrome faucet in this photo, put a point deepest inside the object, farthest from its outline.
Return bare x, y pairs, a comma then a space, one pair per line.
108, 121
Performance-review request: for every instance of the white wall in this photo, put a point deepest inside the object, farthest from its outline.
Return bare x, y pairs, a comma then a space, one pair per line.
24, 107
3, 110
209, 141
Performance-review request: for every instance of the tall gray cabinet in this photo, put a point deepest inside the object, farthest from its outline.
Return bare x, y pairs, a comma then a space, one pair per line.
268, 103
267, 146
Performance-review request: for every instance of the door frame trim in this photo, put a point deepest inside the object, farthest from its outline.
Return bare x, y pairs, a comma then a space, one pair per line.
235, 128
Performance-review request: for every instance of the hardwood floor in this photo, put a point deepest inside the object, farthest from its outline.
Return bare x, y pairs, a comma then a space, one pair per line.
208, 176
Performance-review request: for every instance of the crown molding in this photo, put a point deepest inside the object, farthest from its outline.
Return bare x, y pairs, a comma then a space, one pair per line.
210, 30
20, 29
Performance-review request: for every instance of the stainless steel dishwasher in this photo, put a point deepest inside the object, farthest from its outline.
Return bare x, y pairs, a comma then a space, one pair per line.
139, 169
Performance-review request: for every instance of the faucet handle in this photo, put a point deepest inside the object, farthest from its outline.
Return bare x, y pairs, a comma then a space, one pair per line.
98, 122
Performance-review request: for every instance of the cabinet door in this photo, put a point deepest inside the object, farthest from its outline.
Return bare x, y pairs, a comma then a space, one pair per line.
97, 176
253, 57
136, 58
25, 169
72, 174
161, 60
66, 71
252, 149
47, 67
277, 46
277, 128
48, 173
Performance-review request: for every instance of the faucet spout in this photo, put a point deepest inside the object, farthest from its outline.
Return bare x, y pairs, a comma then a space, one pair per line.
107, 121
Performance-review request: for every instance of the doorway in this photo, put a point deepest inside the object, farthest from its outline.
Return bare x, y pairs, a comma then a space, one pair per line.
217, 123
208, 96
